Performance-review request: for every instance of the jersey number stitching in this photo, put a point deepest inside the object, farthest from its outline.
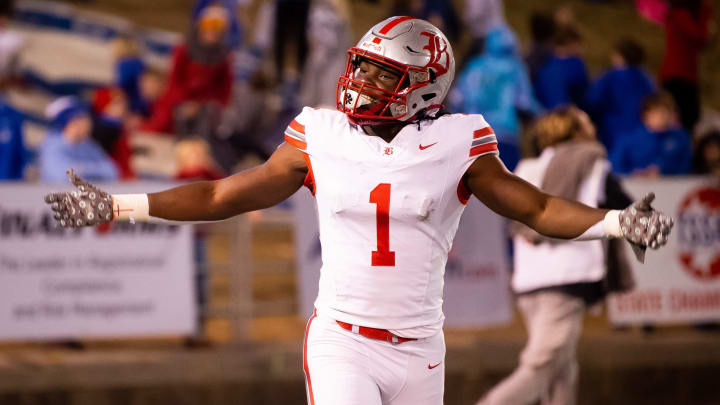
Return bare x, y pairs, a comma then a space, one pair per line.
383, 256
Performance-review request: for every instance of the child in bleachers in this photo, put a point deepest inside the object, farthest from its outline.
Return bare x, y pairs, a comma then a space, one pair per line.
200, 80
563, 79
496, 84
110, 115
707, 154
129, 68
660, 147
194, 161
616, 98
13, 155
69, 145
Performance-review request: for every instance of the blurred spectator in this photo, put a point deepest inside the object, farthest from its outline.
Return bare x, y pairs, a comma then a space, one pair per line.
440, 13
194, 161
652, 10
235, 10
480, 17
542, 31
244, 124
707, 154
616, 98
661, 147
200, 81
686, 34
13, 155
150, 87
11, 44
556, 281
110, 112
129, 68
329, 37
496, 85
68, 145
563, 79
291, 19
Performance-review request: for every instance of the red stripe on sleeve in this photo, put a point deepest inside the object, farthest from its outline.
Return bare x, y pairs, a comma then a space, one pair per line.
393, 23
297, 126
310, 178
296, 143
483, 132
463, 193
480, 149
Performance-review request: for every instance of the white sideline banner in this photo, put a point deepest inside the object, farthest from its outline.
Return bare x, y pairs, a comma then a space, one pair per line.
115, 281
680, 282
476, 276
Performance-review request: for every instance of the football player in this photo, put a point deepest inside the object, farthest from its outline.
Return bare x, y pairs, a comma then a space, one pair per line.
391, 175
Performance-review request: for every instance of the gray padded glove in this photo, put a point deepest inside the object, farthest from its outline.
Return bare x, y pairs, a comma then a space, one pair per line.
87, 206
644, 227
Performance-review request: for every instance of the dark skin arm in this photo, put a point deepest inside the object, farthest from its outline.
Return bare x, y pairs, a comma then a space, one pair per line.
512, 197
260, 187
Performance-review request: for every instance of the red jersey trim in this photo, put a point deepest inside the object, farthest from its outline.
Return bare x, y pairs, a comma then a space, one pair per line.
483, 132
295, 142
310, 178
297, 126
463, 193
481, 149
306, 369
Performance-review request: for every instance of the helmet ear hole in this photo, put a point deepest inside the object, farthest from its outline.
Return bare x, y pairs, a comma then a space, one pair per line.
433, 76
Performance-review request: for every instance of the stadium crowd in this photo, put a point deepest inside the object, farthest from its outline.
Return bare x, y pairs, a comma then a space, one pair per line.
228, 92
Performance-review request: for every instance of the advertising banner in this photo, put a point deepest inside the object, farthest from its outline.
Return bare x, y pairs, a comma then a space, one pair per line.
121, 280
679, 283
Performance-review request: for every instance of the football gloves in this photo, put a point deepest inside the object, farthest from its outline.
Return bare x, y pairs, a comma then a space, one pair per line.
86, 206
644, 227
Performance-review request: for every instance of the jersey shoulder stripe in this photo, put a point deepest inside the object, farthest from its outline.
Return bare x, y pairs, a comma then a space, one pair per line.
295, 135
484, 142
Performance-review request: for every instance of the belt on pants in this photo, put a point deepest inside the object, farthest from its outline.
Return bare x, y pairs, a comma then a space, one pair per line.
372, 333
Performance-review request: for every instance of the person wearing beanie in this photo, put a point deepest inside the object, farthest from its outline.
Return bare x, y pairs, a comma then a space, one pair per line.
200, 81
68, 144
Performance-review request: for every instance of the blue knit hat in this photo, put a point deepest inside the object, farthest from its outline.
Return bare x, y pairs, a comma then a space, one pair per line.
65, 109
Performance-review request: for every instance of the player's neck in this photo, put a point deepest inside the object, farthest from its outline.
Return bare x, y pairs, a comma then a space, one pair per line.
386, 132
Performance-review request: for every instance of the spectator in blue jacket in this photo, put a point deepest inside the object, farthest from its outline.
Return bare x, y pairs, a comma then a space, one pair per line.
616, 98
496, 84
660, 147
68, 145
563, 79
13, 155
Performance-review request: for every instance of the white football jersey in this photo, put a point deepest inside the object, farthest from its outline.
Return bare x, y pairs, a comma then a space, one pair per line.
387, 213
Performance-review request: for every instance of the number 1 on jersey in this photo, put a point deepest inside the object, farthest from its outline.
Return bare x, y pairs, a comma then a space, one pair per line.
383, 256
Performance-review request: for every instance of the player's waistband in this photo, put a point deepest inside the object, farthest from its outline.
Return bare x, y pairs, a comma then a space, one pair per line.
373, 333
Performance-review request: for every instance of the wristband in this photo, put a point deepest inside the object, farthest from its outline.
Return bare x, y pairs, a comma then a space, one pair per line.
609, 227
131, 207
611, 224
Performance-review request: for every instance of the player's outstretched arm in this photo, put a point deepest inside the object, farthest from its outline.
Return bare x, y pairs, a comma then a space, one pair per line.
512, 197
256, 188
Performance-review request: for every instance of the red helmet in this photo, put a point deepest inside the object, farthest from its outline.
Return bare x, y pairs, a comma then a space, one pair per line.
422, 55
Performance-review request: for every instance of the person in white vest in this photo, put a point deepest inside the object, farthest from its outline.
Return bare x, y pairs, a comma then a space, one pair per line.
555, 280
391, 174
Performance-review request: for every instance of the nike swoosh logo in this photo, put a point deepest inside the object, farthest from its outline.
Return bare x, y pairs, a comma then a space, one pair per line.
429, 366
425, 147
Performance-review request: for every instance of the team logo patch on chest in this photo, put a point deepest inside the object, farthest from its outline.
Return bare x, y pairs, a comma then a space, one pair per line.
388, 151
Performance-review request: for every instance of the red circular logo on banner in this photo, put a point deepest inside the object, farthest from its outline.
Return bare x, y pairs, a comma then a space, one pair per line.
698, 228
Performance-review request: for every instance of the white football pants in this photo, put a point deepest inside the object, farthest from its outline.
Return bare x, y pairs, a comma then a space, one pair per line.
344, 368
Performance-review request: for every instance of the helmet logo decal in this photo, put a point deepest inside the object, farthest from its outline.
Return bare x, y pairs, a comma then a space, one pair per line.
437, 48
